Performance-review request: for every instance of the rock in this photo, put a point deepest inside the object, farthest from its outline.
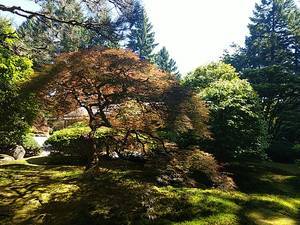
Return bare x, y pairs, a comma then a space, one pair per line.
163, 180
114, 155
4, 157
18, 152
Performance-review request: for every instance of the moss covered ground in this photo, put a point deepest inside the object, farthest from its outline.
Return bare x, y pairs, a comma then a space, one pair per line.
35, 192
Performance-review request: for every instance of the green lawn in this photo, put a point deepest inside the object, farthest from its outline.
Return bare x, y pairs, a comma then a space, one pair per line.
34, 192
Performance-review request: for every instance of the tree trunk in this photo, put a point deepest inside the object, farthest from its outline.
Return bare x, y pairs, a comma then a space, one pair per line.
92, 145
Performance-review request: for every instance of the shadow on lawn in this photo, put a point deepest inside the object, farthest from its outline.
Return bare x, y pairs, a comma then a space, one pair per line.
55, 160
277, 179
273, 190
63, 195
121, 193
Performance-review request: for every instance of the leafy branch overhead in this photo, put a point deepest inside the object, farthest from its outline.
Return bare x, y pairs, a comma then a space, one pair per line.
70, 25
123, 7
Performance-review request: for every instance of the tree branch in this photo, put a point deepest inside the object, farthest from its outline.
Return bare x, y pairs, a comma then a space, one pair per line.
28, 14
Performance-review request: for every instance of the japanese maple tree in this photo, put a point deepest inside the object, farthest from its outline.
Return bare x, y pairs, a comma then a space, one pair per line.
120, 91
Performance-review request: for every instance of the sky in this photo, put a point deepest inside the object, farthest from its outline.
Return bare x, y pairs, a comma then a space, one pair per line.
195, 32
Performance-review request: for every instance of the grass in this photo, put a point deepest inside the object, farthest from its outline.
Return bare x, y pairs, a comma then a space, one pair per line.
35, 192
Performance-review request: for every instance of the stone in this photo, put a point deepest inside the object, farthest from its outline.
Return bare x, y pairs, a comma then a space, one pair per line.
163, 180
6, 157
18, 152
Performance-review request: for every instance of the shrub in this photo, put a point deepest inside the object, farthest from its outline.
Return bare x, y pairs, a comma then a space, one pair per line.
183, 140
284, 152
238, 128
79, 124
30, 145
296, 150
73, 142
193, 168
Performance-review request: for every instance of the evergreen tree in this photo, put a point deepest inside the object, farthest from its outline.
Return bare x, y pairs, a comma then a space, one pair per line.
141, 39
165, 63
270, 61
274, 37
271, 41
46, 39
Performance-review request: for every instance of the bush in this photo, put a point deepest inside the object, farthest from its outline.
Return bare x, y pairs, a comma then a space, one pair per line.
73, 142
296, 150
238, 128
193, 168
284, 152
183, 140
80, 124
31, 147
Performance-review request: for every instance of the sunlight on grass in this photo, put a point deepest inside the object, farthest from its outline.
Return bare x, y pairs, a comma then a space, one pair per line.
260, 218
220, 219
280, 202
33, 194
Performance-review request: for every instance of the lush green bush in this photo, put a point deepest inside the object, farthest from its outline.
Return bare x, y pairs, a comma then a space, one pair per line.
73, 142
79, 124
236, 121
17, 109
183, 140
296, 150
31, 147
284, 151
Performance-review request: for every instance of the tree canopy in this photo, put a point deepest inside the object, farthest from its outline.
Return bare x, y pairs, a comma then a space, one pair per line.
16, 110
123, 10
141, 39
270, 61
165, 63
274, 37
236, 121
120, 91
45, 39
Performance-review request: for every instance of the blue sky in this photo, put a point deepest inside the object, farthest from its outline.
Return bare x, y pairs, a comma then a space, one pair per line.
195, 32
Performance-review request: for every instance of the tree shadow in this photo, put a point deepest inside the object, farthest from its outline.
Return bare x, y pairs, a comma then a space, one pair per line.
38, 195
56, 160
272, 191
119, 192
258, 179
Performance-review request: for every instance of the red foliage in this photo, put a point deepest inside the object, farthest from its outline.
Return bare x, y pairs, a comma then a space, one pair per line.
101, 80
119, 90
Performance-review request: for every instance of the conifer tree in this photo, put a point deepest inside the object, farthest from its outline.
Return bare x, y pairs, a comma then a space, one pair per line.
274, 37
46, 39
165, 63
141, 39
270, 61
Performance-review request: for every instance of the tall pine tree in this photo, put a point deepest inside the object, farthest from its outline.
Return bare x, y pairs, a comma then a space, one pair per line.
274, 37
165, 63
46, 39
141, 39
270, 61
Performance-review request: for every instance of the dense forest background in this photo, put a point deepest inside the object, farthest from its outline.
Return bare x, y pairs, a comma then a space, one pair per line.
269, 61
199, 130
